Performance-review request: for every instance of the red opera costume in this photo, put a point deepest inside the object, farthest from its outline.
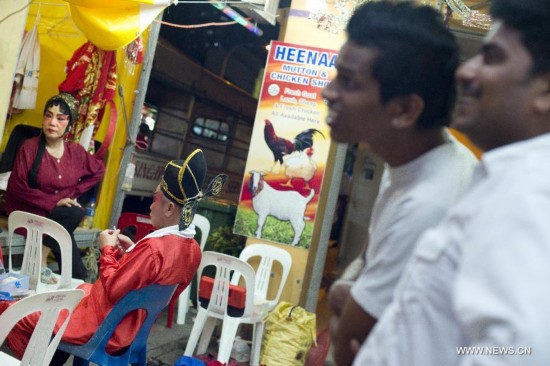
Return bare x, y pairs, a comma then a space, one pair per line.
167, 259
91, 78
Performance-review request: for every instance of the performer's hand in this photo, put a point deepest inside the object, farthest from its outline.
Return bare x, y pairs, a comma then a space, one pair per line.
124, 242
68, 202
108, 238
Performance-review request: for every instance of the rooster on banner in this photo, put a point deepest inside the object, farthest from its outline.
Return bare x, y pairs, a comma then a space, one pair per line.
280, 146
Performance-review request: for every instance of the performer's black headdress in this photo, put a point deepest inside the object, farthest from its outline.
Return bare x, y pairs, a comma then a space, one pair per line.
182, 184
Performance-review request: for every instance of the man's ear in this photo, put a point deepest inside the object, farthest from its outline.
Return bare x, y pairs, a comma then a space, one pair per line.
542, 99
406, 110
170, 209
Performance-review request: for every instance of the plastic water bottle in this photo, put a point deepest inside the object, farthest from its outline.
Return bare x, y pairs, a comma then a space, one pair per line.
128, 177
89, 212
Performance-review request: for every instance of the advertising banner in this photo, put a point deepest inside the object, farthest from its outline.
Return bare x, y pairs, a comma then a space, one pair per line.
289, 147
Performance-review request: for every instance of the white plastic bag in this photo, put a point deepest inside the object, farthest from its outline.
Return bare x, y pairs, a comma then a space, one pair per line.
240, 351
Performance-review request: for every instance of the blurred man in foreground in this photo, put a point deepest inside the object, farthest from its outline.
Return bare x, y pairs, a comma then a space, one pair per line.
395, 90
475, 291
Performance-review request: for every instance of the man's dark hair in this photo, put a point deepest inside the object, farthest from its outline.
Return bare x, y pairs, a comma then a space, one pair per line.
416, 55
531, 18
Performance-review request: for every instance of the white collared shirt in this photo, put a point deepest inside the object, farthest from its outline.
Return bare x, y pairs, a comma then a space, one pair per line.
189, 232
480, 278
413, 197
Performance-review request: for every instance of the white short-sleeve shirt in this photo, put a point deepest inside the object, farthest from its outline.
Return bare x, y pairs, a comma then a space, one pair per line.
412, 198
481, 278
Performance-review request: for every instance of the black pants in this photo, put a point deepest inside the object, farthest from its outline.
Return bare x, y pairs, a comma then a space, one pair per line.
69, 218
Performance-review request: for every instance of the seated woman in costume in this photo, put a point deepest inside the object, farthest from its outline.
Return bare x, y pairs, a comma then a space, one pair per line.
49, 174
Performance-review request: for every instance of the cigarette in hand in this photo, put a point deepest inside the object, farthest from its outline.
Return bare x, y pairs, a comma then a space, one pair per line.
118, 241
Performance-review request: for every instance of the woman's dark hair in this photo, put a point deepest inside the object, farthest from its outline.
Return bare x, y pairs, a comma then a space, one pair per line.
33, 173
417, 54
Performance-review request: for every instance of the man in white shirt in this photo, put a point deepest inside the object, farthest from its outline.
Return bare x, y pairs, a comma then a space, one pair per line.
395, 90
476, 289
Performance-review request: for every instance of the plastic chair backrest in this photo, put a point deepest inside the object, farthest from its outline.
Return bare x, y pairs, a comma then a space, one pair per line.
152, 299
203, 224
225, 266
42, 346
268, 254
36, 227
141, 223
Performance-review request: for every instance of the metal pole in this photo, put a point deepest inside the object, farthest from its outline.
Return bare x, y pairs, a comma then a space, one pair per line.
136, 118
314, 285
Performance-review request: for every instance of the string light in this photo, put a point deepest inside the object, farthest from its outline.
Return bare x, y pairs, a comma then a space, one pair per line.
191, 26
222, 6
237, 17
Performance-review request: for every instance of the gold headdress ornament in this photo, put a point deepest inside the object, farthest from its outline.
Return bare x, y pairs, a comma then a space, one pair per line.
182, 183
69, 101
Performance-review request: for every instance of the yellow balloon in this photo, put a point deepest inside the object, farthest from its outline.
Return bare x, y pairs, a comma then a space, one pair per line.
111, 24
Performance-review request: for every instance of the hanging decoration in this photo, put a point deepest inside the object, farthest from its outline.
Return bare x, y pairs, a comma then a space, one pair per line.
111, 24
470, 18
330, 22
335, 20
91, 78
133, 55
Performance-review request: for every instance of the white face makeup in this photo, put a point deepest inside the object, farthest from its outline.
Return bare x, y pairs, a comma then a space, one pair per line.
54, 123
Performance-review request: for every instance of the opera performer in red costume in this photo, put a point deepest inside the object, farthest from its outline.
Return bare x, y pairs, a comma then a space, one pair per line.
49, 174
167, 256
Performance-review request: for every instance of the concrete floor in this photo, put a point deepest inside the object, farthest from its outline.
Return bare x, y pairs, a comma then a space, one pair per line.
166, 345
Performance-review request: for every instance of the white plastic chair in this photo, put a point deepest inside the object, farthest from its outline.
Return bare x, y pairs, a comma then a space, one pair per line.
42, 346
203, 224
36, 227
262, 304
218, 305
